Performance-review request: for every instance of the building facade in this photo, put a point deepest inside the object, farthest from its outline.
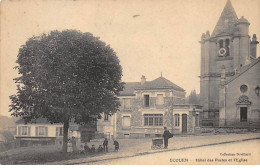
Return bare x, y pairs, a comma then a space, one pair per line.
43, 133
229, 47
239, 98
148, 106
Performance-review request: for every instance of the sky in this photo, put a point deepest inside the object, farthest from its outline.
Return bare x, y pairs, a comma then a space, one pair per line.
149, 36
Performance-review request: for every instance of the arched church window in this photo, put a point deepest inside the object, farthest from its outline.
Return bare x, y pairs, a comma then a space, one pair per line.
227, 46
220, 44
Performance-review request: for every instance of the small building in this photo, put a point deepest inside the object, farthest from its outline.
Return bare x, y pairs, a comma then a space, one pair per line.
186, 118
44, 133
147, 107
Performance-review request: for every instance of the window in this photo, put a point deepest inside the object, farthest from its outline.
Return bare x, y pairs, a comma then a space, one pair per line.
176, 120
127, 103
243, 88
106, 117
220, 44
25, 130
153, 119
243, 114
59, 131
196, 120
126, 122
146, 100
227, 46
159, 99
205, 115
41, 131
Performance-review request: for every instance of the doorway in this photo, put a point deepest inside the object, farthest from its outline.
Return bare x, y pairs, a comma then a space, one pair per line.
243, 114
184, 123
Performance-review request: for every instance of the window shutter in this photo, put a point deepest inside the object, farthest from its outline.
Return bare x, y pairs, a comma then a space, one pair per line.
57, 131
19, 131
46, 131
36, 131
29, 131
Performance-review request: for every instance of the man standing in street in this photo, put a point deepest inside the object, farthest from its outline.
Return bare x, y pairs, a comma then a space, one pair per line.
105, 144
166, 136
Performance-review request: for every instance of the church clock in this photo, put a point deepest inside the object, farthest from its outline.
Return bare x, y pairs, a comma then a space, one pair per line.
222, 52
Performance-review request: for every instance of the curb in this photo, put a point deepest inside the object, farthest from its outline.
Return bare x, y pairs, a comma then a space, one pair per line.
167, 150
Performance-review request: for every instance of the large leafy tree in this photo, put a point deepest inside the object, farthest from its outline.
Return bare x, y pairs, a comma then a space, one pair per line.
66, 76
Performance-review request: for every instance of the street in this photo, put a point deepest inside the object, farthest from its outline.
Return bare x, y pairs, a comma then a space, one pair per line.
245, 152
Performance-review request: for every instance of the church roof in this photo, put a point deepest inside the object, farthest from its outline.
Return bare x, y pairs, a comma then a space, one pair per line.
244, 69
227, 20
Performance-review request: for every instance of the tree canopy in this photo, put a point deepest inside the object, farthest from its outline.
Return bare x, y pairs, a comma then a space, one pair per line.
66, 75
193, 97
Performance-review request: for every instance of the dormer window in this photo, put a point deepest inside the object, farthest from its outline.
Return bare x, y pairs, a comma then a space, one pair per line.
146, 101
106, 117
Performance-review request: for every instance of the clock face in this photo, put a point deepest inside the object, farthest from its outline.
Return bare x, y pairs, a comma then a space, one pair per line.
222, 52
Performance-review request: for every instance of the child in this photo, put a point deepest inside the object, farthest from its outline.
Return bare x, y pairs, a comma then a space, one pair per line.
86, 149
93, 149
100, 148
69, 145
116, 145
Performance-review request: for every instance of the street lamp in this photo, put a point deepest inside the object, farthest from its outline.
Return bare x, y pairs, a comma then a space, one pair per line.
257, 90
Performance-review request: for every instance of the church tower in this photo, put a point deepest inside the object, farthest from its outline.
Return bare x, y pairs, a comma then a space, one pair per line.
227, 48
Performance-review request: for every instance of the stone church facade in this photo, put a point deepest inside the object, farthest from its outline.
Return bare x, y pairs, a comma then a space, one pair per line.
228, 62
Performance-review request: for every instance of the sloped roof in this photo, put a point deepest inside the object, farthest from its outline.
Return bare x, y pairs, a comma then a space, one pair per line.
38, 121
160, 83
129, 88
244, 69
227, 20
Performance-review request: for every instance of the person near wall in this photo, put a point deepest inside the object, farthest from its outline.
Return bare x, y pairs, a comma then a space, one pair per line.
93, 149
100, 148
166, 136
69, 146
105, 145
86, 148
116, 145
74, 144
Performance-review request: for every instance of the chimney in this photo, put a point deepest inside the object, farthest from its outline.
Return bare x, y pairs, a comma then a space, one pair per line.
143, 79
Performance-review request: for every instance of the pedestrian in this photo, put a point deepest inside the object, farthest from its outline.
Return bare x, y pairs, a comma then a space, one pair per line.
69, 146
74, 144
81, 151
93, 149
86, 148
100, 148
116, 145
166, 136
105, 144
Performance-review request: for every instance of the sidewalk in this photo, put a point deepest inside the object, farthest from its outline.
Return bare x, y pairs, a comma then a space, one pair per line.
135, 147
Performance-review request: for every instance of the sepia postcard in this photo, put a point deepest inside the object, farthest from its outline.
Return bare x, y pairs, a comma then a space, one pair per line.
140, 82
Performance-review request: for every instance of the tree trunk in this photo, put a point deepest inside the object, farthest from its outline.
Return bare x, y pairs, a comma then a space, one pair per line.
65, 136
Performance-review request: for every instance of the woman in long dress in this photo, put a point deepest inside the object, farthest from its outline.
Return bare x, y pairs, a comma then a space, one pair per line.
69, 146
